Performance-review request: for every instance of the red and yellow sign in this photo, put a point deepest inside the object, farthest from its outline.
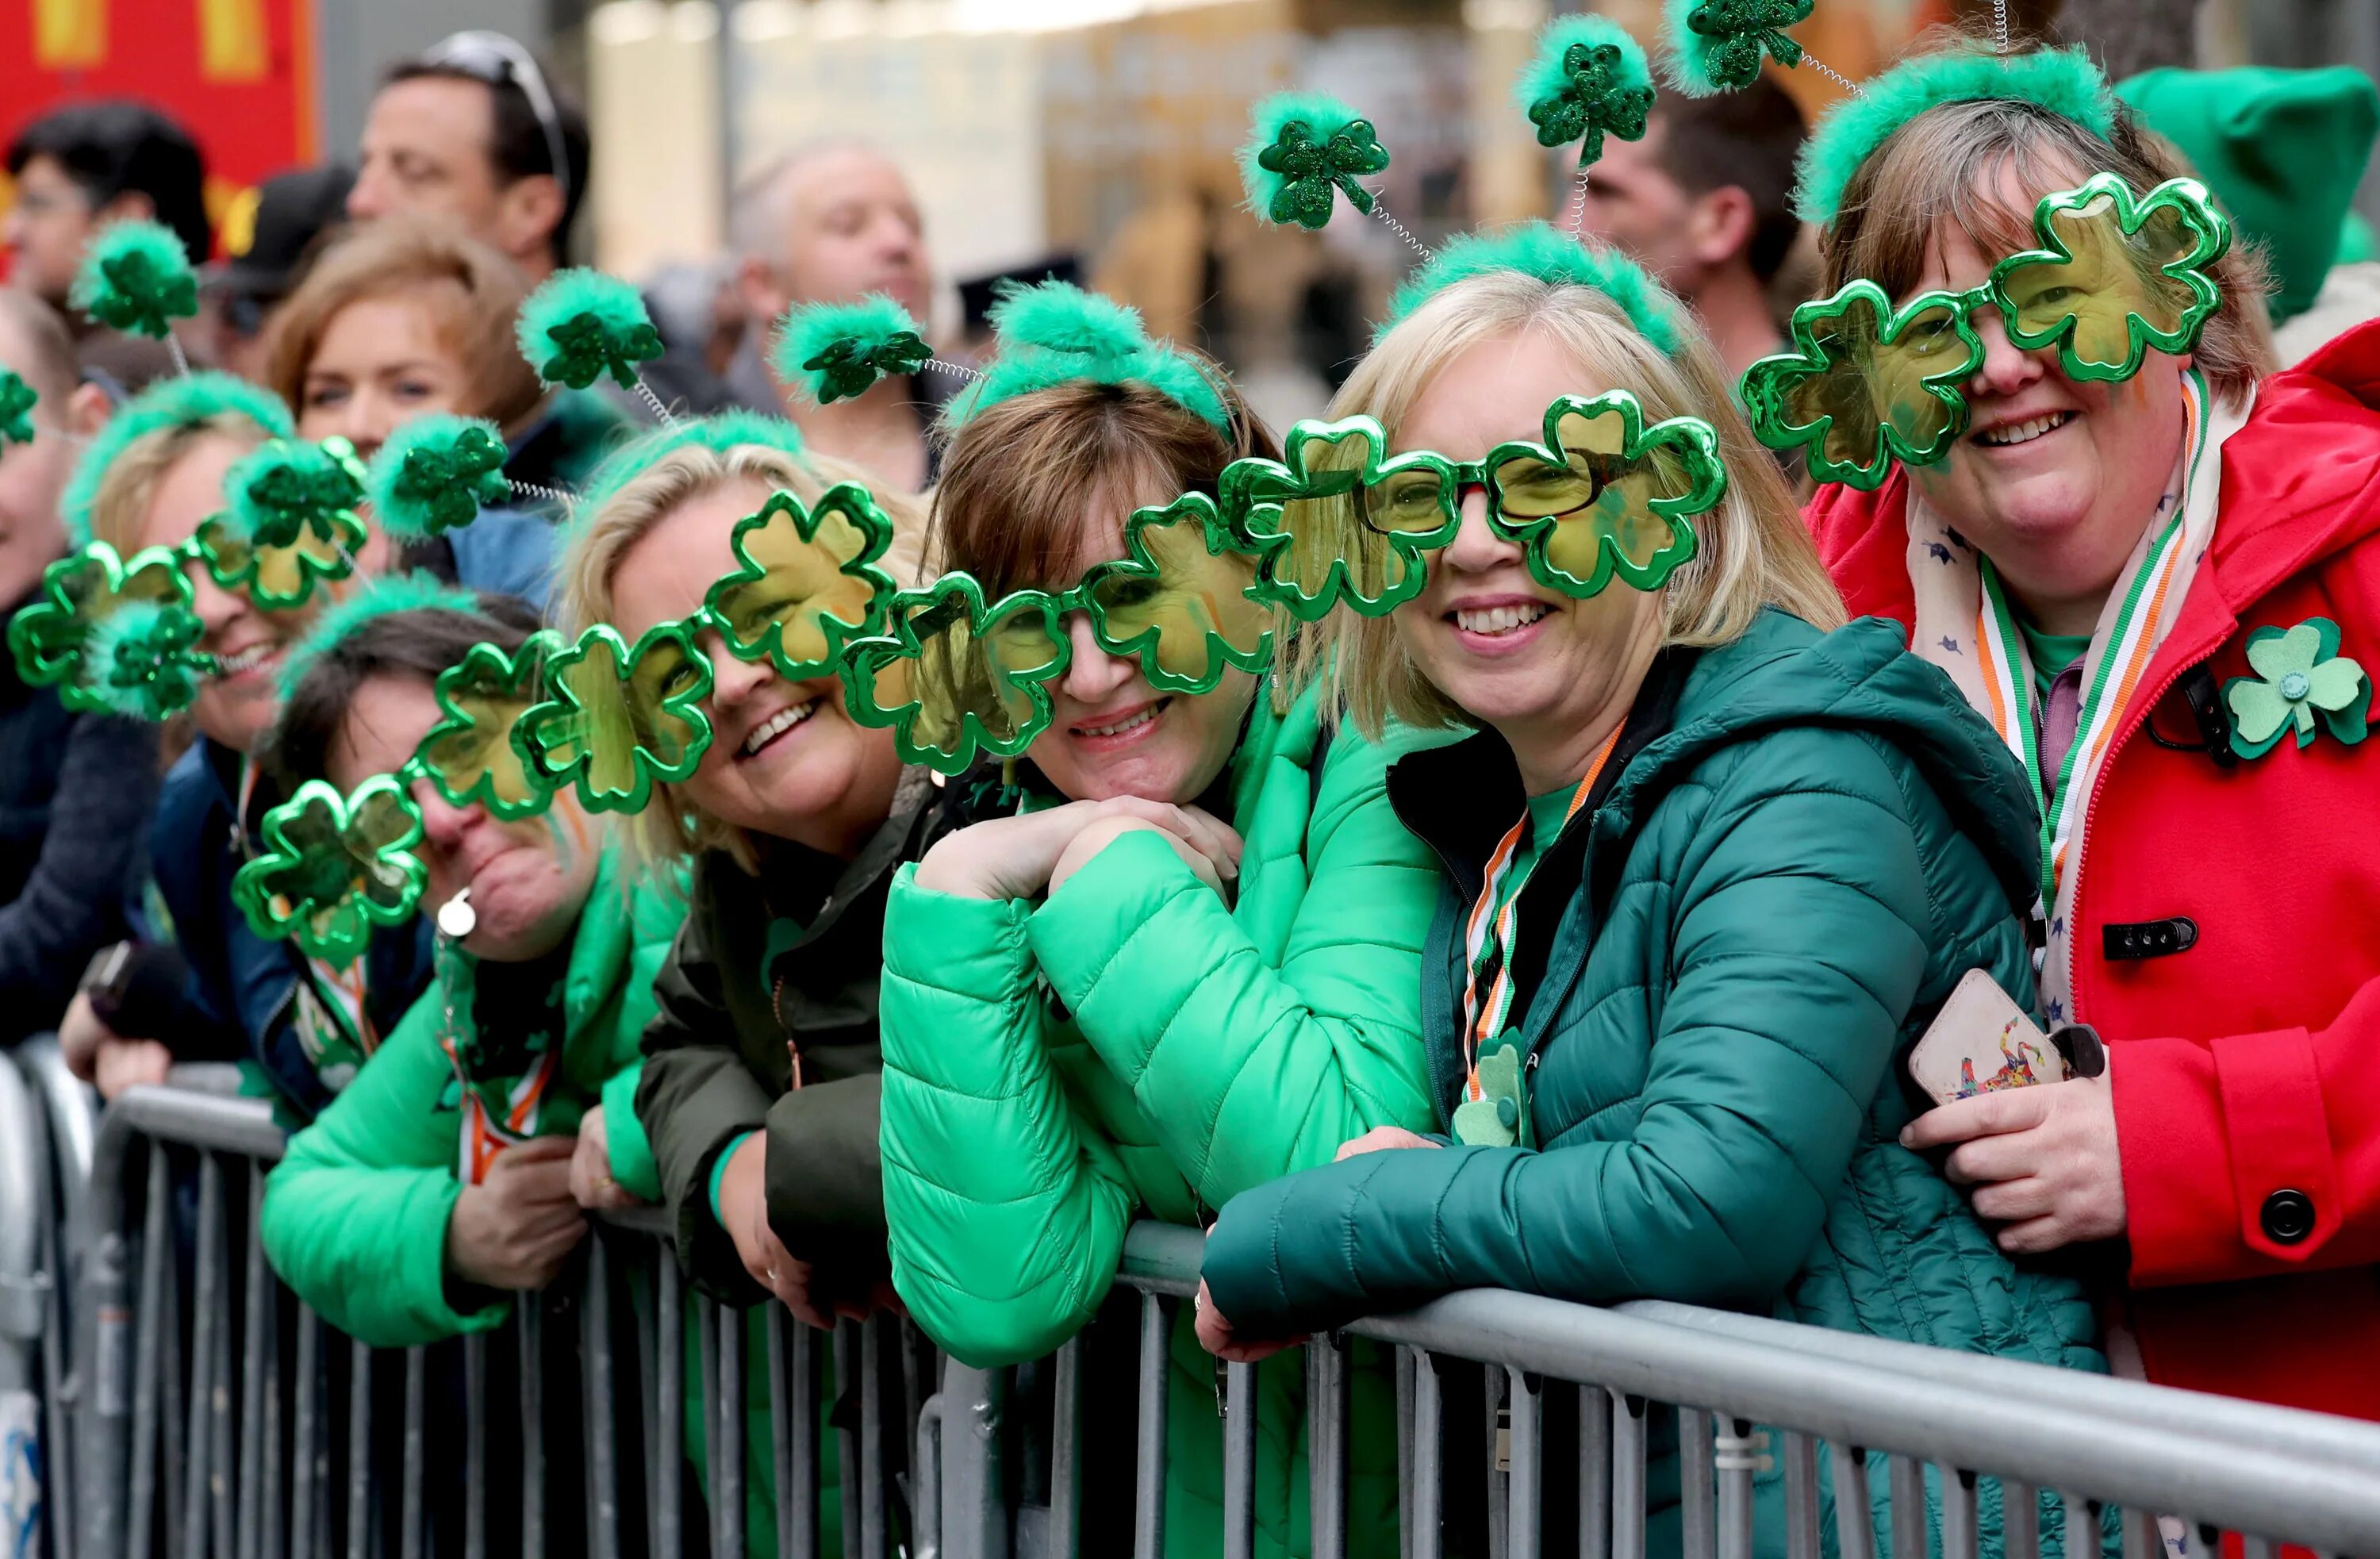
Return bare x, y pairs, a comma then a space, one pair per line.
237, 74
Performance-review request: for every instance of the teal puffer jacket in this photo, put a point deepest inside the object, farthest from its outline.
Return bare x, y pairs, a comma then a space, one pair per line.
1135, 1046
1807, 841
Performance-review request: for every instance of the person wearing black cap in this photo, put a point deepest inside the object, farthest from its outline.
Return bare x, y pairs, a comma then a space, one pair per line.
264, 255
471, 130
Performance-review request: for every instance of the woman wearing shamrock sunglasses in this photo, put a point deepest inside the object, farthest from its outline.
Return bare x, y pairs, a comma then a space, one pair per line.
1709, 868
1175, 954
2163, 587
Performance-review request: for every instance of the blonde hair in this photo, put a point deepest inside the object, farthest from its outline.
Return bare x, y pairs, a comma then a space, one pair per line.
597, 541
1931, 170
472, 290
1751, 550
119, 508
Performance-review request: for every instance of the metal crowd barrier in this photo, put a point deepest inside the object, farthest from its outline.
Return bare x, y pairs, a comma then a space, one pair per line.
46, 1121
196, 1440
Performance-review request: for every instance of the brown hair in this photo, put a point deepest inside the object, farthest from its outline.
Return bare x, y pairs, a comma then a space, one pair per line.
1021, 475
473, 290
1930, 170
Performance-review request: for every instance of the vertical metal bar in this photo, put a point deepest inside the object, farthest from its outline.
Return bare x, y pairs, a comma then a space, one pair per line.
600, 1401
252, 1389
1148, 1485
1593, 1472
706, 1354
1239, 1461
926, 1501
1701, 1536
1065, 1530
1801, 1540
305, 1487
1428, 1536
669, 1456
1325, 1446
1909, 1537
1855, 1518
782, 1401
802, 1444
1628, 1479
2250, 1547
222, 1468
269, 1543
172, 1381
1492, 1386
359, 1467
415, 1448
964, 1439
475, 1445
528, 1314
874, 1496
847, 1369
154, 1316
205, 1314
1404, 1372
1738, 1456
727, 1457
1958, 1513
2141, 1538
2020, 1520
1524, 1526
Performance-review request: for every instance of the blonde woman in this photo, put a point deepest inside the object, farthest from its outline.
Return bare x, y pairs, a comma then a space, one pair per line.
1721, 855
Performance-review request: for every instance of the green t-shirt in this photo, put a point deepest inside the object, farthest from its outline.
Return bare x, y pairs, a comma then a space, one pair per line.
1546, 815
2051, 653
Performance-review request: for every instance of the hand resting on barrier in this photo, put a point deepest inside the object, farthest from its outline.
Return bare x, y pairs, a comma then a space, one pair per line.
744, 1213
104, 1058
591, 1184
514, 1230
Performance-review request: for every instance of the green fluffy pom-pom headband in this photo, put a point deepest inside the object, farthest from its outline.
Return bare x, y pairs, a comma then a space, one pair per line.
833, 351
435, 473
1536, 250
1587, 80
580, 325
1055, 334
718, 434
168, 403
2060, 82
390, 594
1304, 151
136, 276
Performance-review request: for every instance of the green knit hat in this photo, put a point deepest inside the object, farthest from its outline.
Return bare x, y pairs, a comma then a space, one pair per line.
2282, 150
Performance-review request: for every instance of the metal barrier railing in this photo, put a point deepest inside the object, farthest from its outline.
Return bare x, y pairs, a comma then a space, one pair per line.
46, 1119
196, 1435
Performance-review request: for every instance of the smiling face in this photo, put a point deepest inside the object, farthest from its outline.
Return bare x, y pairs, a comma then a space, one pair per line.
1114, 734
528, 880
236, 706
1534, 665
382, 362
786, 760
2055, 478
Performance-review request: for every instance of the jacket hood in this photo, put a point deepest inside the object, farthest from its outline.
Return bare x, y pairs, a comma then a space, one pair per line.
1859, 677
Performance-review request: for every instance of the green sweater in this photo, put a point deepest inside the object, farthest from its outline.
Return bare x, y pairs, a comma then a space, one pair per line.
355, 1214
1135, 1046
1804, 843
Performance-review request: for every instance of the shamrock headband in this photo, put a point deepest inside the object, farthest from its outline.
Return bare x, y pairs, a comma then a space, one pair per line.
1533, 249
182, 402
2113, 275
1054, 333
136, 277
580, 325
718, 433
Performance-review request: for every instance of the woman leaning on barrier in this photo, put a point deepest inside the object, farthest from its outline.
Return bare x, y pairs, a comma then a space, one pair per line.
2214, 865
1718, 860
440, 1183
1173, 952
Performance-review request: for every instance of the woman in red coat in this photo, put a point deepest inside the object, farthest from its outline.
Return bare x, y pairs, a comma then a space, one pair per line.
2163, 587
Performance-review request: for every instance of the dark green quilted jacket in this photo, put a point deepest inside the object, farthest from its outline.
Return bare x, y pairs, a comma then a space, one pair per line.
1802, 842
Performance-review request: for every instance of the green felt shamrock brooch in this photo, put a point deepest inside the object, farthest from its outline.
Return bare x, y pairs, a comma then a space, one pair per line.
957, 677
17, 402
617, 719
1178, 600
807, 581
1337, 521
469, 755
334, 866
1604, 494
1865, 384
2300, 680
1498, 1118
112, 635
2114, 274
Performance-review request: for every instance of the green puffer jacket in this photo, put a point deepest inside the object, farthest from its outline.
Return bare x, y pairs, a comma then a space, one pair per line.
1800, 844
355, 1214
1210, 1047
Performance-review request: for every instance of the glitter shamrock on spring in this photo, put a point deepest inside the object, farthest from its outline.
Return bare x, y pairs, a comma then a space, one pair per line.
2300, 680
1314, 162
335, 867
1730, 36
1598, 84
136, 277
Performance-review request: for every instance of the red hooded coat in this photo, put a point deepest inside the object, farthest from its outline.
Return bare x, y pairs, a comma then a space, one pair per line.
2245, 1066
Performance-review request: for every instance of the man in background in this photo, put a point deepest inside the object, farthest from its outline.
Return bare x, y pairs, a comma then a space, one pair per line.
830, 224
264, 252
1701, 203
472, 130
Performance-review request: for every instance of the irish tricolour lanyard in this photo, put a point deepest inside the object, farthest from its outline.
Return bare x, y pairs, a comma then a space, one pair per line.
1492, 936
2124, 658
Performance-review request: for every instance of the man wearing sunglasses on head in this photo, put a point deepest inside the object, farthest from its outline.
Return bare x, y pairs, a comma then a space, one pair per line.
471, 129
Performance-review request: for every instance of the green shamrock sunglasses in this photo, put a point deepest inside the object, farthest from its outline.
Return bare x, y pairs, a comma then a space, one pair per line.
2113, 276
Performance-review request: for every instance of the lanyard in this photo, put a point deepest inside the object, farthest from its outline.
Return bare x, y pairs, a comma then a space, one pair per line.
1492, 935
2122, 651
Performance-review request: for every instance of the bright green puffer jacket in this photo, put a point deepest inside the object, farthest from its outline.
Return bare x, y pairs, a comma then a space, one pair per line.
355, 1214
1807, 841
1209, 1048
